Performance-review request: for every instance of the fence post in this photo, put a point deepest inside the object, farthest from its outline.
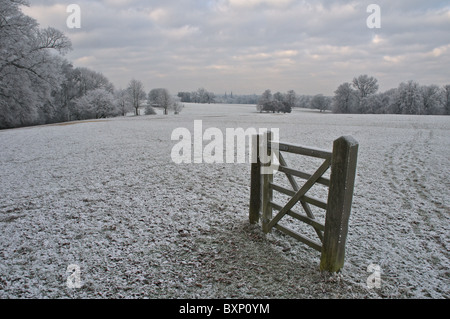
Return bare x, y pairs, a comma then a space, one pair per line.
267, 192
255, 182
340, 196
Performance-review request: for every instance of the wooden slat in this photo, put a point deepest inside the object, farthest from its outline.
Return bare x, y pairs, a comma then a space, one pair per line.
301, 150
306, 187
305, 205
281, 189
310, 221
299, 237
310, 214
306, 176
311, 200
291, 178
315, 202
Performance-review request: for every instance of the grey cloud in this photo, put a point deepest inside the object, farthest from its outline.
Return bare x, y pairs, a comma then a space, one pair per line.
310, 46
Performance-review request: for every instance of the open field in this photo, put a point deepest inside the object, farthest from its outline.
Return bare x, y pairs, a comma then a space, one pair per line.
105, 195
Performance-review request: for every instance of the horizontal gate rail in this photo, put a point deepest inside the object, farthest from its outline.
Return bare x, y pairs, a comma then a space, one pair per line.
301, 217
322, 180
307, 241
310, 200
332, 234
301, 150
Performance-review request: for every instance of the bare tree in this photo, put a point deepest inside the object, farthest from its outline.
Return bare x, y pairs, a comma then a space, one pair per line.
136, 94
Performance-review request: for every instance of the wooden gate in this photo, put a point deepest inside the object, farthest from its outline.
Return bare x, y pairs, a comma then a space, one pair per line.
331, 236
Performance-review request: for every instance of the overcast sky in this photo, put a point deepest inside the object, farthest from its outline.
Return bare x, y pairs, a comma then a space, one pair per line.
247, 46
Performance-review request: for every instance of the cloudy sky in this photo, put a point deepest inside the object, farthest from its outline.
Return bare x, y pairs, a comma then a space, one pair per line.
247, 46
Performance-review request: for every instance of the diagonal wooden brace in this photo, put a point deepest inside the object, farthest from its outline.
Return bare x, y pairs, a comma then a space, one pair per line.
306, 187
296, 188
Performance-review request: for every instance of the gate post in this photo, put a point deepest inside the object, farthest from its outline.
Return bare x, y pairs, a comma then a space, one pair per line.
340, 196
267, 192
255, 182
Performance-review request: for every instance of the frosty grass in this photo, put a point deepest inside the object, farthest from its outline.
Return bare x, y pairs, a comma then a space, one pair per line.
105, 195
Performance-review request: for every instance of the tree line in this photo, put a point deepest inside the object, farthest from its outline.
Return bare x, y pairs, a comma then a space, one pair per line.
237, 98
101, 102
200, 96
39, 86
361, 96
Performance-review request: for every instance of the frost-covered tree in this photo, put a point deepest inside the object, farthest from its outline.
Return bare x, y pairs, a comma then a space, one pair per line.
387, 100
177, 106
202, 96
365, 85
278, 97
432, 100
321, 102
264, 101
29, 70
122, 101
284, 102
96, 104
278, 102
64, 95
77, 83
409, 99
373, 103
162, 98
149, 110
304, 101
185, 96
136, 94
85, 80
290, 100
446, 99
345, 99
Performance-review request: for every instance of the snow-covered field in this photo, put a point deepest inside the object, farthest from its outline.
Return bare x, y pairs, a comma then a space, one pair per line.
106, 196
